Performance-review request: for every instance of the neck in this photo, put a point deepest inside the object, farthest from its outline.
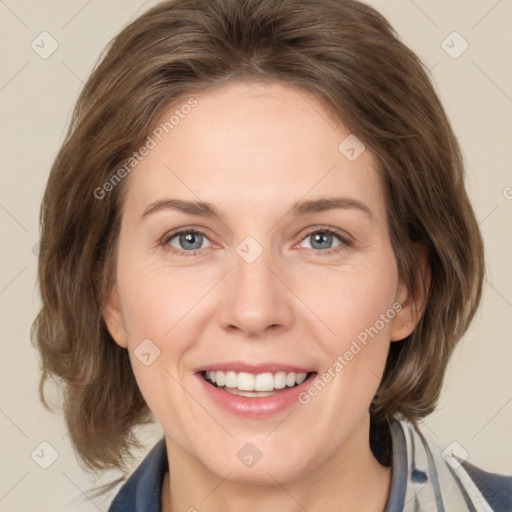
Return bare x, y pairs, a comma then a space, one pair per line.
350, 479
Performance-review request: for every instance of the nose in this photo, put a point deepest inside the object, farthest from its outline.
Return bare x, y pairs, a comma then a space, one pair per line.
256, 299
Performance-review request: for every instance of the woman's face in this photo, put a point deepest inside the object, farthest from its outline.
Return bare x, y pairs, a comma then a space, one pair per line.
255, 247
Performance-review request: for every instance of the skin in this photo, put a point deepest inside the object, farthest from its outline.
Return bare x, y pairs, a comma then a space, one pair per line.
253, 150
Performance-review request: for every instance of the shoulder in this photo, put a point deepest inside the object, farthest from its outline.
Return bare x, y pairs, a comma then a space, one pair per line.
496, 488
437, 478
141, 492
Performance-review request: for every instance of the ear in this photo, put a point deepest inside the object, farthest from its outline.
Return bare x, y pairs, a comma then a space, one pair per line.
113, 318
413, 307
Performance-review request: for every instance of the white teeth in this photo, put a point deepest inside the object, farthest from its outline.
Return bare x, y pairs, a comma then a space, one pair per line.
235, 391
301, 377
220, 379
262, 382
280, 380
245, 382
230, 379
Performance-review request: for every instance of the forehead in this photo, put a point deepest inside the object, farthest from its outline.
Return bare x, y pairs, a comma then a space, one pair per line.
252, 145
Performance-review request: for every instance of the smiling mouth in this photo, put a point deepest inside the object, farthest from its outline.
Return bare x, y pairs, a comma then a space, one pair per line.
254, 385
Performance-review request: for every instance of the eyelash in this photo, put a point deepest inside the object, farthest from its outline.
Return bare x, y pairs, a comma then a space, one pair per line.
345, 241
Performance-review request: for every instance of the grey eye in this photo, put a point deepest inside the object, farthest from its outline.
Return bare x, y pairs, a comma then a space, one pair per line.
322, 240
188, 241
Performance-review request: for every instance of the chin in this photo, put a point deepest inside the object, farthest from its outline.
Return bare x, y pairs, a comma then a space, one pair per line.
266, 465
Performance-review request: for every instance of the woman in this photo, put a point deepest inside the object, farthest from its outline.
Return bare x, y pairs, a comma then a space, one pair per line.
257, 233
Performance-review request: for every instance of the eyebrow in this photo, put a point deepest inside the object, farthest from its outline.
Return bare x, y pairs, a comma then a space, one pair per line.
300, 208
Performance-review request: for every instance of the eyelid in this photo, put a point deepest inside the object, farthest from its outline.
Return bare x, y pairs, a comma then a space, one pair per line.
340, 233
169, 235
345, 239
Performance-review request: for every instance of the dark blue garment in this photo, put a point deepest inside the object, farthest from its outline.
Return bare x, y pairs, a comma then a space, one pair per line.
411, 481
141, 492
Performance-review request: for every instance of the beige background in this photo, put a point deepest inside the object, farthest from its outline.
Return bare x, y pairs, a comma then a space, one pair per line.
36, 97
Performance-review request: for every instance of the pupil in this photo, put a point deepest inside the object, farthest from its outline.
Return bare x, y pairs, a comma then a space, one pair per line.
321, 240
191, 241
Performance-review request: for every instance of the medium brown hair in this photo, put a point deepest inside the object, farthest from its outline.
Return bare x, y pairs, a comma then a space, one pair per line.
349, 57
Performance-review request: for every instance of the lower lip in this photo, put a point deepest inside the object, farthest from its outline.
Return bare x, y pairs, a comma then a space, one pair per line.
257, 407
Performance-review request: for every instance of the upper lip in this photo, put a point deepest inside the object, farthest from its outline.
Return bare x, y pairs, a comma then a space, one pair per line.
240, 366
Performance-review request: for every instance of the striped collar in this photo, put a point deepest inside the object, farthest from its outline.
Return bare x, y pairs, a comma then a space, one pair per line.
429, 479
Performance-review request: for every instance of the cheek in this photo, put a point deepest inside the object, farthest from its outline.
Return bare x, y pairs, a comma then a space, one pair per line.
350, 300
160, 309
365, 307
164, 316
157, 300
359, 314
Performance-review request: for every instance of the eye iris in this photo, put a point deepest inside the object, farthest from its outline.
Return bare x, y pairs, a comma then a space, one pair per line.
191, 241
321, 240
